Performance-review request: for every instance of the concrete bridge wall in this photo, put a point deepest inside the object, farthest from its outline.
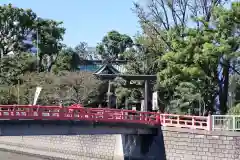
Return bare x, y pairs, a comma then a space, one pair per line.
78, 147
185, 144
78, 140
160, 144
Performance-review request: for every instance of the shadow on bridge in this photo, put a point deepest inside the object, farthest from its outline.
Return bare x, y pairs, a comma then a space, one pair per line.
62, 127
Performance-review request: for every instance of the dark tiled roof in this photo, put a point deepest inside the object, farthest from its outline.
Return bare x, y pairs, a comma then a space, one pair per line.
107, 69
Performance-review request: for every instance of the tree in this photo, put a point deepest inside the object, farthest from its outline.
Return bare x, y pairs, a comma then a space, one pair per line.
16, 25
141, 60
113, 45
65, 87
18, 76
64, 61
234, 110
192, 54
19, 25
159, 17
186, 99
12, 67
227, 37
81, 50
196, 58
7, 94
80, 87
48, 81
50, 34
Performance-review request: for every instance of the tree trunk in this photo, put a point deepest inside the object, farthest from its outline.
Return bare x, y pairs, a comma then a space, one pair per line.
39, 64
223, 95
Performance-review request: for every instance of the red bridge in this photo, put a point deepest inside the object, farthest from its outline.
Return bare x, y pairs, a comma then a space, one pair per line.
76, 113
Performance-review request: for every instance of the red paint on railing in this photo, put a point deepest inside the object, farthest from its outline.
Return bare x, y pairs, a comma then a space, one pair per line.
14, 112
79, 113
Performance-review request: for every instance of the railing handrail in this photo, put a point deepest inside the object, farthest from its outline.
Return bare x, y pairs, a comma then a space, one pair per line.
185, 115
185, 121
36, 112
218, 115
117, 115
226, 122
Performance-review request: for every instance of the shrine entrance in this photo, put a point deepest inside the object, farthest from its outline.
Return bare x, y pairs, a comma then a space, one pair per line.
108, 73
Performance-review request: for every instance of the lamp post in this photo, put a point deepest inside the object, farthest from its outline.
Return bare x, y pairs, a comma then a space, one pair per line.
18, 89
37, 43
37, 51
1, 55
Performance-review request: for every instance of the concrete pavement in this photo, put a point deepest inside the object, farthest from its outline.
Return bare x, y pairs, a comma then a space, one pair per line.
4, 155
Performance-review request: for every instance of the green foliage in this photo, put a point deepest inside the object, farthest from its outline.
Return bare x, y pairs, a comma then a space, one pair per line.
187, 57
15, 25
21, 71
8, 95
196, 57
234, 110
186, 99
80, 87
12, 67
142, 60
184, 58
48, 36
113, 45
63, 61
69, 87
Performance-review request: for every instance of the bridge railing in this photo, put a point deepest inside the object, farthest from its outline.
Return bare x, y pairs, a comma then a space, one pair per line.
29, 112
102, 115
226, 122
35, 112
186, 121
12, 112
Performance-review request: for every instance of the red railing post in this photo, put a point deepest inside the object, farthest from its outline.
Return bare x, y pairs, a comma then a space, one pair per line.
122, 114
164, 119
209, 122
193, 122
61, 112
178, 120
158, 119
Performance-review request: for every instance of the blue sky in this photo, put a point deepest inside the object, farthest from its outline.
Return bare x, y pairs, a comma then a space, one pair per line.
85, 20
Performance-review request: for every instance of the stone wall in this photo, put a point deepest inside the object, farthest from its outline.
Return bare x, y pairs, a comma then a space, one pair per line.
144, 147
162, 144
184, 144
94, 147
